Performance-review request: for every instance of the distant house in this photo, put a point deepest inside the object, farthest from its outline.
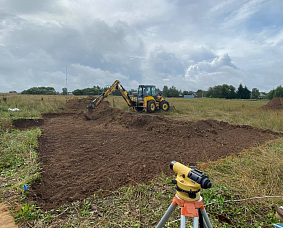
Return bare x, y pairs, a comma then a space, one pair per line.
12, 91
262, 96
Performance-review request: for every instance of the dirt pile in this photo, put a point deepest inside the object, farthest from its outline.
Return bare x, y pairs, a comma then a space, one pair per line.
118, 149
275, 104
79, 104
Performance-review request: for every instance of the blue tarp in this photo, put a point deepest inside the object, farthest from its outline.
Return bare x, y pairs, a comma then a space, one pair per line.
189, 96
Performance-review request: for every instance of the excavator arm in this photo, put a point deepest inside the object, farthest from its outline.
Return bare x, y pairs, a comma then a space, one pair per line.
99, 99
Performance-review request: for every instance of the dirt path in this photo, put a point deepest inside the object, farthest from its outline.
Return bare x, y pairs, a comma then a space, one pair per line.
118, 149
6, 219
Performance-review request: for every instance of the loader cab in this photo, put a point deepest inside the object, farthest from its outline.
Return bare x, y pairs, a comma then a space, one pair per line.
146, 90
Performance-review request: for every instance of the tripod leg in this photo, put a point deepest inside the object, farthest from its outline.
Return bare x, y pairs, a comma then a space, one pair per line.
195, 222
206, 219
183, 221
201, 221
204, 224
166, 216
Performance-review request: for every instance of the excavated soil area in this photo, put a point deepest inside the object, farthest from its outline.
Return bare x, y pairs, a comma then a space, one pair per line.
118, 149
23, 124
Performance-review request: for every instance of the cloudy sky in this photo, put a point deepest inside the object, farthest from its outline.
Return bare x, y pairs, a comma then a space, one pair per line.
189, 44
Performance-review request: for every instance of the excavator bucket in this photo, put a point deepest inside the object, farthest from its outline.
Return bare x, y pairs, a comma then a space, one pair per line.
88, 113
93, 104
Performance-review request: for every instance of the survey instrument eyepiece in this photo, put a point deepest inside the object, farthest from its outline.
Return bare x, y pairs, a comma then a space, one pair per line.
199, 177
172, 164
189, 181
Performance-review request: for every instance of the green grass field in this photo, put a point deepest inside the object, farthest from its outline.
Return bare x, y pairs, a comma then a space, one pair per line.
257, 172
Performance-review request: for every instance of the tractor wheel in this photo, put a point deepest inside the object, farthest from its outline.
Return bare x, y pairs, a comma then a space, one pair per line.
151, 106
164, 105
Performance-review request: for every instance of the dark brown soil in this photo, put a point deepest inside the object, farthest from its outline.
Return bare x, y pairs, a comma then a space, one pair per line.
79, 104
24, 124
275, 104
118, 149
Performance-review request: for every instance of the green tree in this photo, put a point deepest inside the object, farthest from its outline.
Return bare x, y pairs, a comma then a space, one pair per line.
185, 92
64, 91
243, 92
232, 93
116, 93
200, 93
40, 90
224, 91
214, 92
247, 93
173, 92
270, 95
255, 93
221, 91
278, 92
77, 92
165, 91
240, 92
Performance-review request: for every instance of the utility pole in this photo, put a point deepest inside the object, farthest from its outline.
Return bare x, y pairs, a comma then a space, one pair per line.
66, 81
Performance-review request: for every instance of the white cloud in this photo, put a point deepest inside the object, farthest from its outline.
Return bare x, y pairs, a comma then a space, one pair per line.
86, 75
244, 12
276, 41
210, 73
191, 45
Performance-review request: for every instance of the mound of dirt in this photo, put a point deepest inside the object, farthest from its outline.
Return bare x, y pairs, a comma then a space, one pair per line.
106, 115
80, 104
118, 149
275, 104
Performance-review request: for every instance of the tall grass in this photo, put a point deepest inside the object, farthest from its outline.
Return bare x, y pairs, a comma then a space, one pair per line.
18, 160
31, 106
258, 172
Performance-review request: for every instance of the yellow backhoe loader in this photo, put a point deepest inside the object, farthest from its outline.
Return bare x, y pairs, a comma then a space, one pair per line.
146, 100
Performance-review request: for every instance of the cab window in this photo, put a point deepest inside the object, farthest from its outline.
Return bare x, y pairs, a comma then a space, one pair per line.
140, 91
153, 91
147, 91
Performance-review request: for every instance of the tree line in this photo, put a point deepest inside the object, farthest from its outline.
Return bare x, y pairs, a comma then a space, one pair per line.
278, 92
40, 90
96, 90
219, 91
230, 92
